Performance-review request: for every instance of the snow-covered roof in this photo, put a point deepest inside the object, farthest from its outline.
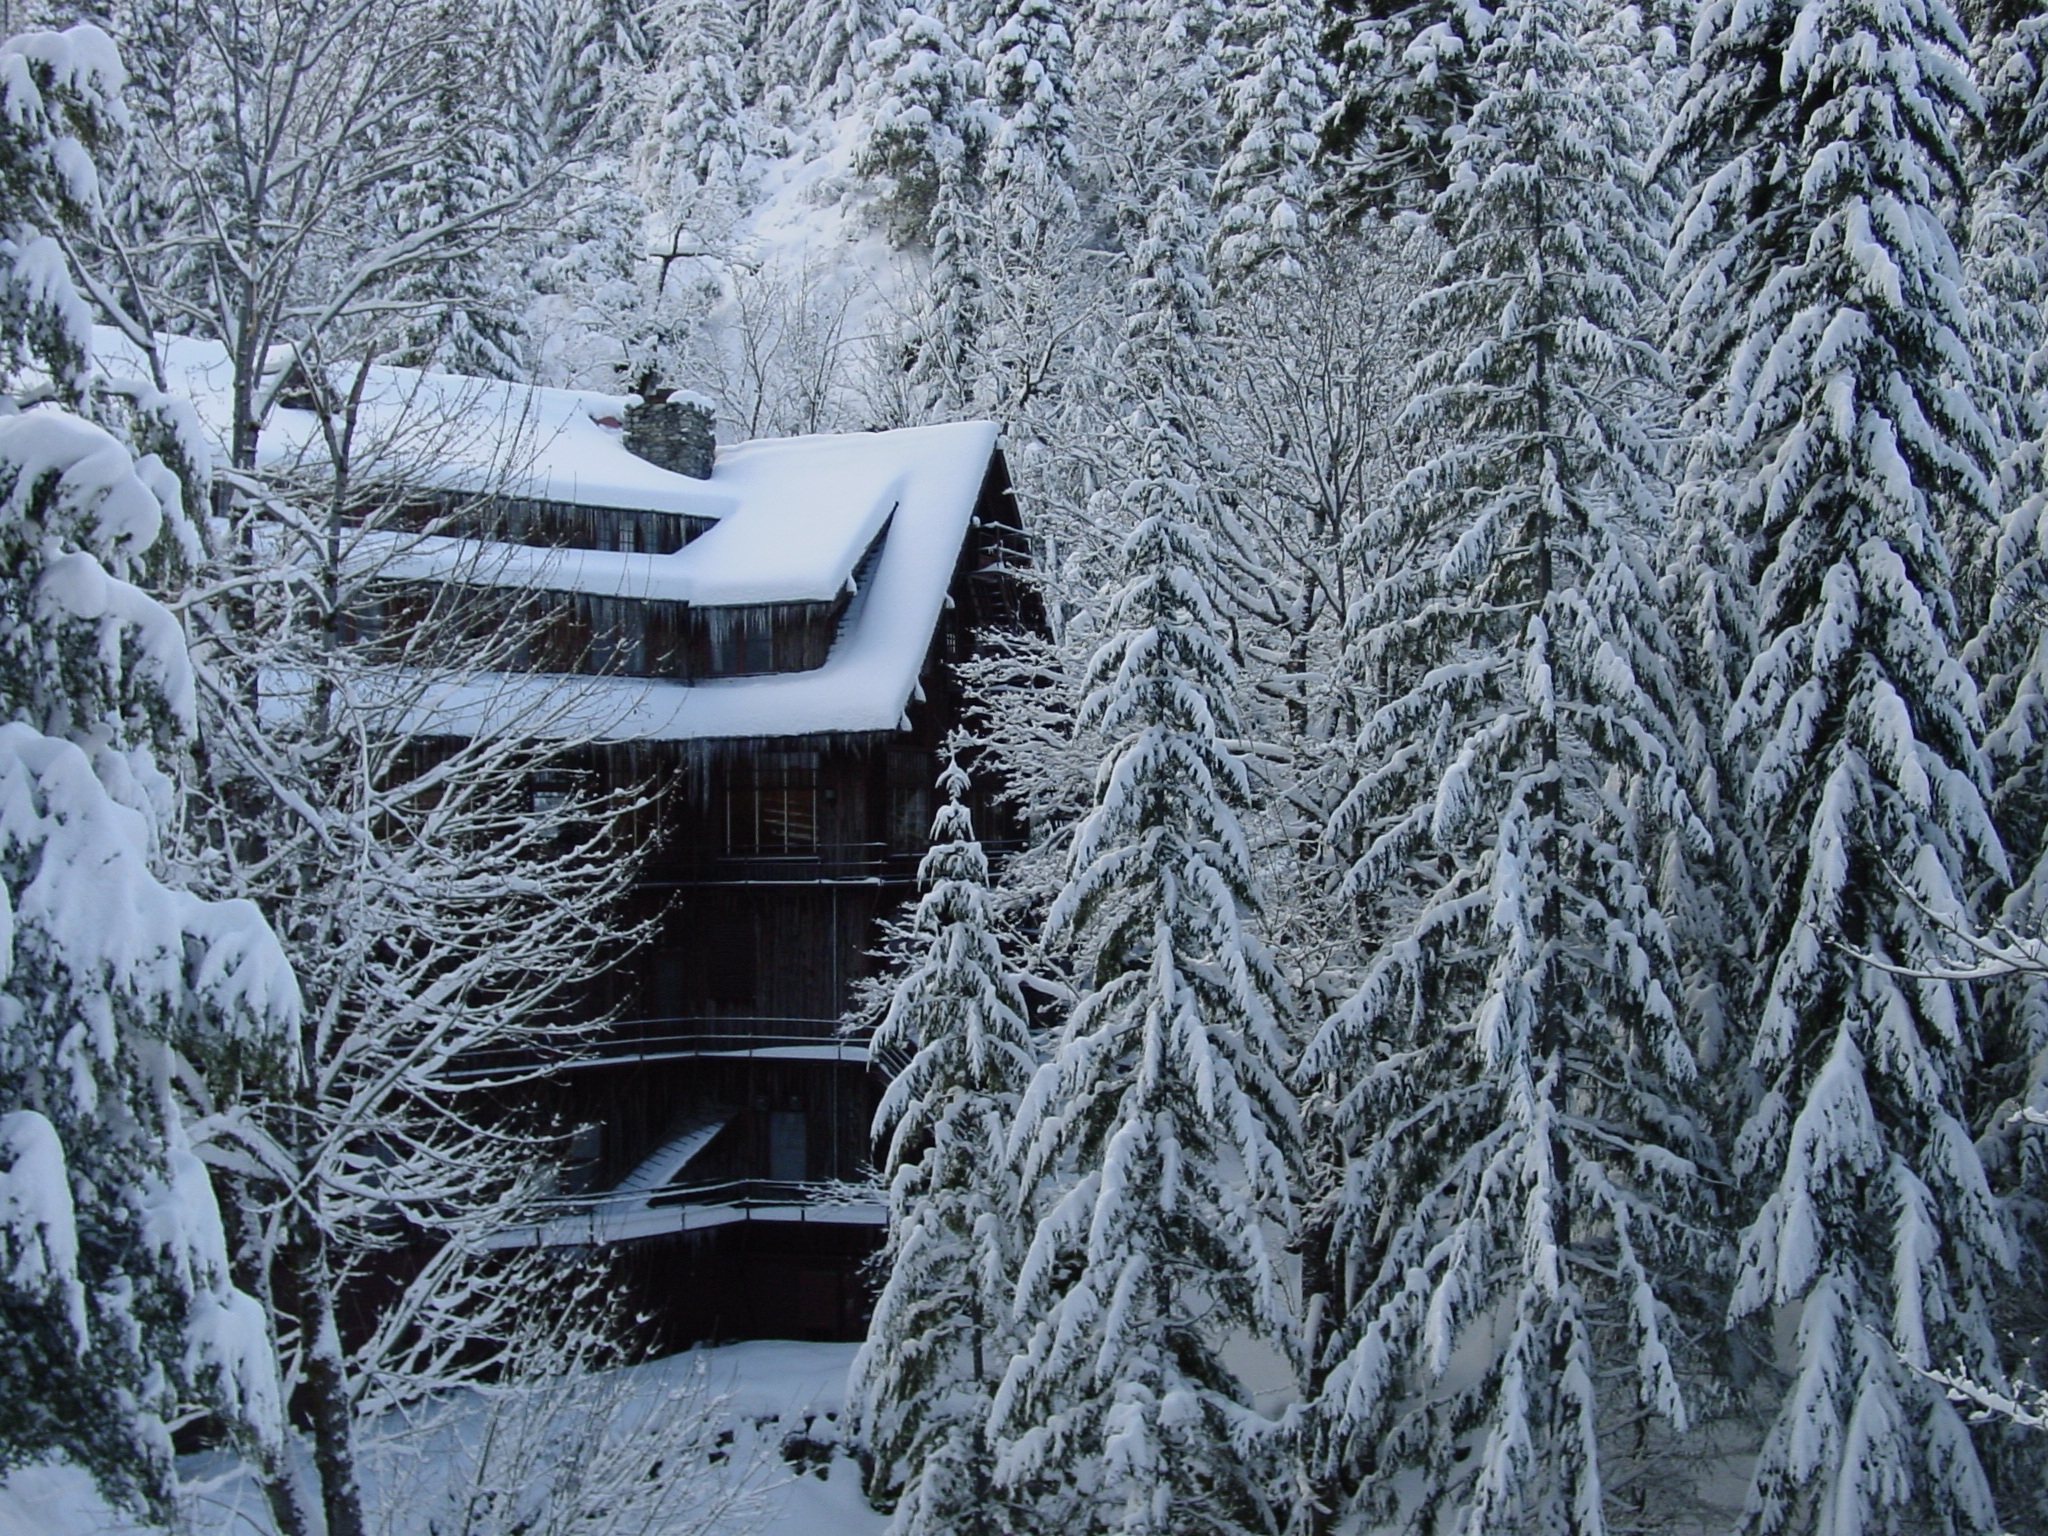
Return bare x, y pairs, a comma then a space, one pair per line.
442, 432
793, 518
870, 675
797, 515
593, 1223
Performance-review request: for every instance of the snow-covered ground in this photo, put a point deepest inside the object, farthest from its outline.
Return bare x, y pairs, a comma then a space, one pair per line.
741, 1440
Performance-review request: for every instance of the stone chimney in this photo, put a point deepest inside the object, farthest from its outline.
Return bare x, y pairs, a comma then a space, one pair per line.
672, 429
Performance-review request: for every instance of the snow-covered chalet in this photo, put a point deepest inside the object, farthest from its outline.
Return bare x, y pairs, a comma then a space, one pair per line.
767, 634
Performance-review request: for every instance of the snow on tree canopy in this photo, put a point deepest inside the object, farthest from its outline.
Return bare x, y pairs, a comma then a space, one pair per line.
1836, 388
113, 984
941, 1331
1511, 1084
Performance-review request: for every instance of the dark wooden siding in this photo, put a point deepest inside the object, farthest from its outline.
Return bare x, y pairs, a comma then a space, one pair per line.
544, 524
742, 641
599, 636
770, 866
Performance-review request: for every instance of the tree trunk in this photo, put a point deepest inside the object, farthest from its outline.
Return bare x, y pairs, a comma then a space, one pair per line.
333, 1418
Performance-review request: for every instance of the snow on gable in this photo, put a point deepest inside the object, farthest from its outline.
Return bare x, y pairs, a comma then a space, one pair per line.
798, 514
794, 515
810, 508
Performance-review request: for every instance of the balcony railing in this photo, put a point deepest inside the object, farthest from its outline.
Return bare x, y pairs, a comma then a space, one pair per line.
623, 1042
820, 862
618, 1216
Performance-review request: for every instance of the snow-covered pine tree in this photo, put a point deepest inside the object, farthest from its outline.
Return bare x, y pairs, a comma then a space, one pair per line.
2002, 567
522, 36
2004, 570
1028, 83
117, 1315
942, 1332
1518, 1215
1709, 593
2005, 264
591, 323
818, 48
157, 43
2011, 55
924, 126
1277, 88
1404, 84
463, 301
596, 50
2002, 583
942, 366
593, 319
1159, 1142
1814, 243
1151, 74
926, 130
1038, 292
697, 142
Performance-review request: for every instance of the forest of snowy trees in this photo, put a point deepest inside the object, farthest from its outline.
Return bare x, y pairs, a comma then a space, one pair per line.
1525, 1007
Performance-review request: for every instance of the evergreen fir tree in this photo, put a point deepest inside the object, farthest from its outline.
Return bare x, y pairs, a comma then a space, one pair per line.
523, 33
1161, 1137
2002, 566
158, 40
2003, 569
1028, 83
941, 1331
592, 323
1028, 228
465, 298
1404, 85
2002, 583
699, 142
596, 48
926, 131
924, 126
2011, 56
1513, 1080
818, 48
1277, 89
117, 1315
1820, 284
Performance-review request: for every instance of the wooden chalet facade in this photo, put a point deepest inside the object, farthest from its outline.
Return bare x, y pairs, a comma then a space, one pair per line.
725, 1113
762, 639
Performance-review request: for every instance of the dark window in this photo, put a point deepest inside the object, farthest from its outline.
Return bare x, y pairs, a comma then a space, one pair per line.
776, 811
788, 1143
910, 800
742, 642
550, 792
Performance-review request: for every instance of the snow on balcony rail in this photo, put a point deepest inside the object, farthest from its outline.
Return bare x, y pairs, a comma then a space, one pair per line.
627, 1042
597, 1221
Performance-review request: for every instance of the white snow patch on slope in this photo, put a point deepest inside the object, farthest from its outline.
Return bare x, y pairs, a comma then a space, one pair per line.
772, 1395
